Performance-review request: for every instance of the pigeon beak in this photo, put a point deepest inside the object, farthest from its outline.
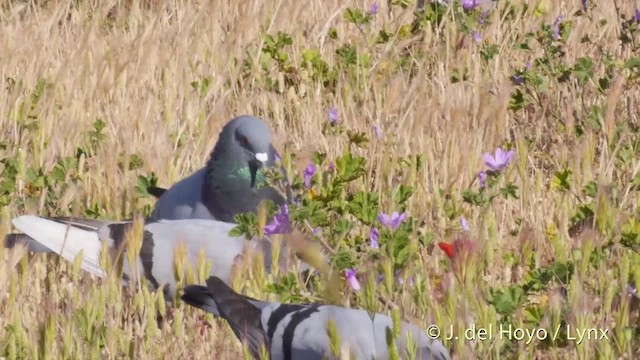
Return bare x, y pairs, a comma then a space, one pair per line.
262, 157
260, 160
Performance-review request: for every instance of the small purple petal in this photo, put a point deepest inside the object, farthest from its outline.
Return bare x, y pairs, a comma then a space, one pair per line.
373, 238
384, 219
476, 36
397, 220
584, 5
373, 10
556, 27
332, 166
482, 177
517, 79
352, 280
499, 160
377, 131
281, 223
333, 115
392, 221
464, 224
469, 5
400, 281
483, 17
636, 17
399, 278
309, 171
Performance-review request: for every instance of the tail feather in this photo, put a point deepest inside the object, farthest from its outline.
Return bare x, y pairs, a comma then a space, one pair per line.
199, 297
244, 318
156, 191
11, 240
67, 241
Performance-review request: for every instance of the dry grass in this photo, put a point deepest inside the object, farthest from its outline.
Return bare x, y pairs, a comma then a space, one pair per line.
133, 66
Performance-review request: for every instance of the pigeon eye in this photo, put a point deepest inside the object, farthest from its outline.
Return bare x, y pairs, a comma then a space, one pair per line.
244, 141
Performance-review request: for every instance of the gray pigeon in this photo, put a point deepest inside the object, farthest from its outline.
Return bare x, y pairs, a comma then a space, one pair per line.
299, 331
68, 237
225, 187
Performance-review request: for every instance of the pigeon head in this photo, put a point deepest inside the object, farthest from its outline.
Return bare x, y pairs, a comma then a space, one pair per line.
231, 175
245, 143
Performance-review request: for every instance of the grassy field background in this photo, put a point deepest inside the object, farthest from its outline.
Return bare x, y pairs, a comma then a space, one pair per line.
100, 97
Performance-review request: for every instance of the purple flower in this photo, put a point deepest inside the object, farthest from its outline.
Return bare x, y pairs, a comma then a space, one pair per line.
517, 79
397, 274
373, 10
556, 27
476, 36
584, 5
309, 171
632, 291
469, 5
333, 116
280, 224
391, 221
527, 65
332, 166
482, 177
636, 17
464, 224
483, 17
400, 281
377, 131
350, 274
500, 160
373, 238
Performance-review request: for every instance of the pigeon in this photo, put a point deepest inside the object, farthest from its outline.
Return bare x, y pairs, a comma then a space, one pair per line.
68, 237
299, 331
229, 184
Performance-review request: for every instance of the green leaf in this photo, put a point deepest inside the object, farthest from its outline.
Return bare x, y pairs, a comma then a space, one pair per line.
402, 194
506, 301
350, 167
143, 183
364, 206
562, 180
247, 225
591, 189
509, 191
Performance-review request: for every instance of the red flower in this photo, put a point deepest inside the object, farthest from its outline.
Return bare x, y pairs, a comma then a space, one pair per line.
458, 246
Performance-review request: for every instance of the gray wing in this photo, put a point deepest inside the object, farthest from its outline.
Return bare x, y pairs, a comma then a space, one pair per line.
183, 200
161, 240
207, 240
12, 240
